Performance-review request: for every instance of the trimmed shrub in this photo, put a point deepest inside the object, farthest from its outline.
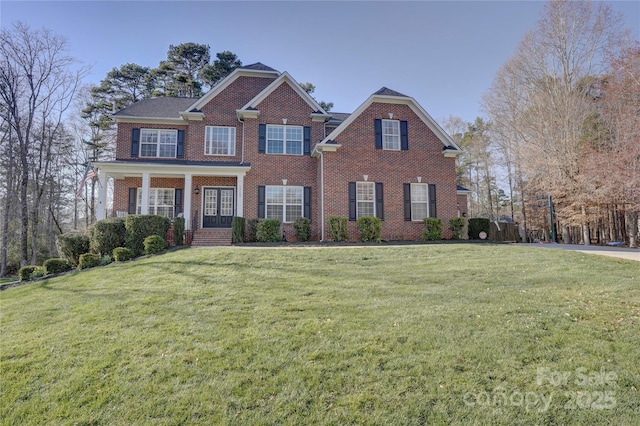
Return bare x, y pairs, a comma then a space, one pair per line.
252, 230
456, 225
140, 227
55, 265
338, 228
477, 225
154, 244
71, 245
433, 228
237, 229
120, 254
178, 231
105, 260
107, 234
302, 227
89, 260
268, 231
370, 228
39, 272
25, 272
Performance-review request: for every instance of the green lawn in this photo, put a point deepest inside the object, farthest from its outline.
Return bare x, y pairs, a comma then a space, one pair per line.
426, 334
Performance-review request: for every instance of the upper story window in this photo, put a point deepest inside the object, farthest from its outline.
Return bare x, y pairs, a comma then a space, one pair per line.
220, 140
283, 139
391, 135
158, 143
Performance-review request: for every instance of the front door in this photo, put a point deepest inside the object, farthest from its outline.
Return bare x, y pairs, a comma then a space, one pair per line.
218, 207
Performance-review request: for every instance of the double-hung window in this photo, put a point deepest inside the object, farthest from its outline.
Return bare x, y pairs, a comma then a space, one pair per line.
284, 203
161, 201
220, 140
158, 143
419, 201
283, 139
365, 199
391, 135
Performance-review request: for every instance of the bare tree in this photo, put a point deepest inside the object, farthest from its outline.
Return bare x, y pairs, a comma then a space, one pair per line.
541, 99
37, 85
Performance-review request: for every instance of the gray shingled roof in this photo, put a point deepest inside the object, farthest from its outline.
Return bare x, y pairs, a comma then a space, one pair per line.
338, 116
162, 107
258, 66
388, 92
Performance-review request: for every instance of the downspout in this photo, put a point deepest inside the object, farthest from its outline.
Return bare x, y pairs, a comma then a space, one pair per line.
242, 153
321, 194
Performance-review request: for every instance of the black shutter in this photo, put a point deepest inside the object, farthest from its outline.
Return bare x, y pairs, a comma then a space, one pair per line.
352, 201
307, 140
133, 200
178, 201
404, 136
432, 201
379, 201
307, 202
262, 138
180, 146
407, 201
261, 196
378, 128
135, 142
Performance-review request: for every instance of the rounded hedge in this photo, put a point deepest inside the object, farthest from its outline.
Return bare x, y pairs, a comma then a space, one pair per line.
154, 244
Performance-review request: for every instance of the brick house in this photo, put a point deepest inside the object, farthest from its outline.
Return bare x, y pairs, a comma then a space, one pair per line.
256, 145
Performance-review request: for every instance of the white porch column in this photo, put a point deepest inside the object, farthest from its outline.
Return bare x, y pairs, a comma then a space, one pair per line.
187, 201
146, 181
240, 195
101, 212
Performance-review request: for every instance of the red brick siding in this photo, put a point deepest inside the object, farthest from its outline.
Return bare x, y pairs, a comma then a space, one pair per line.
358, 157
270, 169
355, 158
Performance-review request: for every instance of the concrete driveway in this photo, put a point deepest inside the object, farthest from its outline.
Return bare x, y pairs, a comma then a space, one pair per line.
621, 252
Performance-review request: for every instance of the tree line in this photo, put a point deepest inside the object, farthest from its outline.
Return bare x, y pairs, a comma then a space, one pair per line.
52, 127
562, 123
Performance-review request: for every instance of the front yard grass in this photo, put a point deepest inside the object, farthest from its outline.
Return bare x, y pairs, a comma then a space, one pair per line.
427, 334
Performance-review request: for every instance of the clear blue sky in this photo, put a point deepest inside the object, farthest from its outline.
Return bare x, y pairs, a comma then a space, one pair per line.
444, 54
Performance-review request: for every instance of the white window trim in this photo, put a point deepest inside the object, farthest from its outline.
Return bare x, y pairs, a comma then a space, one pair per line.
284, 202
358, 200
426, 202
399, 136
231, 140
153, 204
175, 144
284, 141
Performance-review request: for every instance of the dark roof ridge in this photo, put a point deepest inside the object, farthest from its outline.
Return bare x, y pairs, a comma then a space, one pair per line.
385, 91
258, 66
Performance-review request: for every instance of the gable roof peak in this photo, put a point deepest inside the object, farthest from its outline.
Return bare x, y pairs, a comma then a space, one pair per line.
385, 91
258, 66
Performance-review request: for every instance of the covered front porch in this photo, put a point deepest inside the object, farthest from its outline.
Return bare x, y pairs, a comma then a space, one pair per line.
207, 195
